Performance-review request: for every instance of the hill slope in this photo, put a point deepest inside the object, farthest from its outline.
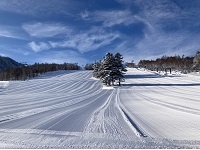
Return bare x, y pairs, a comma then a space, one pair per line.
6, 62
70, 109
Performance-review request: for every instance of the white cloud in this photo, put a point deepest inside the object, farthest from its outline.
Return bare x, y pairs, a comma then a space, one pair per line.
63, 44
157, 40
87, 40
43, 30
157, 43
11, 32
111, 18
7, 34
93, 40
84, 15
3, 55
39, 47
38, 8
166, 32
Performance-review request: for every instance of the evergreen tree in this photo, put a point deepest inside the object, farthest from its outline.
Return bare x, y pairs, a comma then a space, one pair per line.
96, 67
110, 69
88, 67
106, 69
118, 68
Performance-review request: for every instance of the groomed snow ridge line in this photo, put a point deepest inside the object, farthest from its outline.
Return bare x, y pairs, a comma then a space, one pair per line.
130, 122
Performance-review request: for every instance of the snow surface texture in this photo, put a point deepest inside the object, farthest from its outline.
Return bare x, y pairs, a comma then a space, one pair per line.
70, 109
4, 84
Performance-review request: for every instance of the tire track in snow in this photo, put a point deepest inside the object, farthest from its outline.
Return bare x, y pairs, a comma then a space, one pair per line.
51, 100
96, 90
109, 120
80, 107
145, 126
24, 100
180, 102
69, 115
152, 99
96, 123
159, 101
46, 108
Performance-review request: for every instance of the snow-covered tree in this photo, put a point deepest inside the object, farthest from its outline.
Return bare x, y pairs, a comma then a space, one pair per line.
96, 68
110, 68
196, 61
106, 69
118, 68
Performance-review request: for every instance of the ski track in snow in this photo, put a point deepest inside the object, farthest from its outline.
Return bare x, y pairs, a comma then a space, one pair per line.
70, 109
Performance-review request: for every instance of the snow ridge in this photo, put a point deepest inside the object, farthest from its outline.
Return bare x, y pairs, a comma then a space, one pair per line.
70, 109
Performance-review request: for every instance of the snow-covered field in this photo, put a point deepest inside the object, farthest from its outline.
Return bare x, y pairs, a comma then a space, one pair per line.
70, 109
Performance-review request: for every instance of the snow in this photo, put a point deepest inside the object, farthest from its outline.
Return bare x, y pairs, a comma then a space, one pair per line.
107, 87
70, 109
4, 84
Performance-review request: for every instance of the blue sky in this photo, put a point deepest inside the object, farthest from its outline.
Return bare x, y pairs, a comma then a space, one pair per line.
82, 31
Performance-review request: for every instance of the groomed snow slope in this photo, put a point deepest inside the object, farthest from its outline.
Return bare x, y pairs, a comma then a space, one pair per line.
69, 109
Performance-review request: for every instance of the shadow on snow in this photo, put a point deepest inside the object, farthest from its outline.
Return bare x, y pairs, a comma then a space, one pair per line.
140, 76
157, 84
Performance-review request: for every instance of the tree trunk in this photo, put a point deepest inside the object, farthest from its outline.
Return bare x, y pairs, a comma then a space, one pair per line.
119, 82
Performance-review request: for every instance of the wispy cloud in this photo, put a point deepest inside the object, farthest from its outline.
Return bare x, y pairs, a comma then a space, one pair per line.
138, 29
2, 55
84, 42
167, 32
85, 15
12, 32
161, 43
38, 47
14, 50
111, 17
8, 34
91, 40
38, 8
43, 30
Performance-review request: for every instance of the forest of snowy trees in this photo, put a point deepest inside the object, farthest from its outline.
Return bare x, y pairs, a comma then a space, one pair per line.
183, 64
110, 69
31, 71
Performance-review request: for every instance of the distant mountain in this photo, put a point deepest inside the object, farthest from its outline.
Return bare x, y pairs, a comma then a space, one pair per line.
6, 62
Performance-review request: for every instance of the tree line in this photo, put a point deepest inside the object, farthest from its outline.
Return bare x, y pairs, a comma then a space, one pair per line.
110, 69
183, 64
30, 71
196, 61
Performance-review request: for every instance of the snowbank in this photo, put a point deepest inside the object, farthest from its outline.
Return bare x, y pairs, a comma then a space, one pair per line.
107, 87
4, 84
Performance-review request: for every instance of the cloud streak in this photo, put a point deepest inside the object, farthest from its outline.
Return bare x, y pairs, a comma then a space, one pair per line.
167, 29
37, 8
85, 41
138, 29
111, 18
8, 34
12, 32
91, 40
42, 30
